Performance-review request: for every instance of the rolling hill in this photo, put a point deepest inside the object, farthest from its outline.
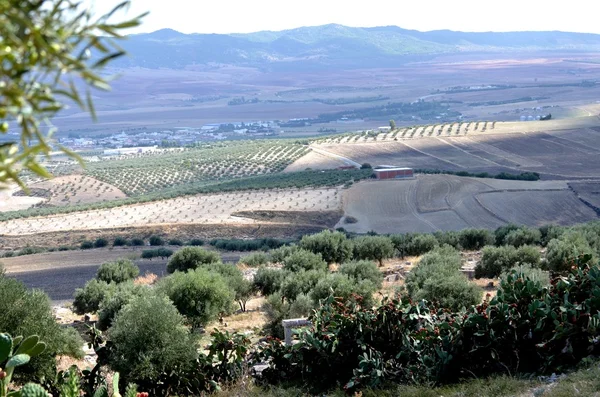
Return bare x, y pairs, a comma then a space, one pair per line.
334, 45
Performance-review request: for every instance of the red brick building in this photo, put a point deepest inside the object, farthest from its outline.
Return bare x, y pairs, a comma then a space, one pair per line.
393, 173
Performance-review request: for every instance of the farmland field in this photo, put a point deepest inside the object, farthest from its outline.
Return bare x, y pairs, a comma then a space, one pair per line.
200, 209
555, 154
442, 202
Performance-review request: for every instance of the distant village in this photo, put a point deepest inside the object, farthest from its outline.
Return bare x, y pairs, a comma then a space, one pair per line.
175, 137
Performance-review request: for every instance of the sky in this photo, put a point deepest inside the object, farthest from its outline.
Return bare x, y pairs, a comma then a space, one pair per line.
243, 16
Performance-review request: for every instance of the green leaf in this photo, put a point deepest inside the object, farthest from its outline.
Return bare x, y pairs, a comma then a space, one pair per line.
18, 360
37, 349
27, 344
5, 346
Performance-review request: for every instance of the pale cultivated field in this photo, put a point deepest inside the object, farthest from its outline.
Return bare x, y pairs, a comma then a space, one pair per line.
314, 161
78, 189
8, 202
442, 202
555, 153
200, 209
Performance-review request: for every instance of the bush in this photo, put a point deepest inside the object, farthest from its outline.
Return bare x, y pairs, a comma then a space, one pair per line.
242, 288
376, 248
137, 242
28, 312
86, 245
88, 298
116, 299
268, 280
161, 252
301, 282
334, 247
452, 292
144, 350
175, 241
503, 231
344, 288
362, 270
538, 276
528, 330
562, 251
450, 238
199, 295
196, 242
442, 262
421, 244
277, 309
156, 241
120, 242
117, 272
495, 260
100, 242
191, 258
523, 236
304, 260
255, 260
279, 254
475, 239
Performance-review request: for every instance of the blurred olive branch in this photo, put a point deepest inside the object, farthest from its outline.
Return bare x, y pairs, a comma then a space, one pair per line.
47, 49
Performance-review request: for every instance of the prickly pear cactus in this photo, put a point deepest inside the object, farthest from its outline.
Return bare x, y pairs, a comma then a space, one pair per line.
33, 390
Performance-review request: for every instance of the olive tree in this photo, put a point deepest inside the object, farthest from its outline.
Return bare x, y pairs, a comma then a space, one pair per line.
375, 248
334, 247
45, 47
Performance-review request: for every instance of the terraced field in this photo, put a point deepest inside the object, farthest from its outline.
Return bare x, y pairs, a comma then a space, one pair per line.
442, 202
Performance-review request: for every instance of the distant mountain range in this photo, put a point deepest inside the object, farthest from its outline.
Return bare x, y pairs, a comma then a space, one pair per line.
334, 46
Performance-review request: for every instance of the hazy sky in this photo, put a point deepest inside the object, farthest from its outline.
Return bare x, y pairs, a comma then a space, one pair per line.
240, 16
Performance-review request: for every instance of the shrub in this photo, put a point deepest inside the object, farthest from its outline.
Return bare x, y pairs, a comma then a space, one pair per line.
451, 238
501, 233
452, 292
242, 288
334, 247
475, 239
362, 270
343, 287
120, 242
561, 251
28, 312
304, 260
149, 254
420, 244
268, 280
156, 241
375, 248
495, 260
199, 295
117, 272
137, 242
88, 298
279, 254
116, 299
523, 236
191, 258
538, 276
442, 262
196, 242
144, 350
255, 260
277, 309
175, 241
301, 282
100, 242
86, 245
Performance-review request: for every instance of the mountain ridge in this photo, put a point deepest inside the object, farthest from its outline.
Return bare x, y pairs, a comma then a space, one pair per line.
335, 45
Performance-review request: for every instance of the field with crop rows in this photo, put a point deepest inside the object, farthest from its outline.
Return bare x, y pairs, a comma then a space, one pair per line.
150, 172
556, 154
199, 209
443, 202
